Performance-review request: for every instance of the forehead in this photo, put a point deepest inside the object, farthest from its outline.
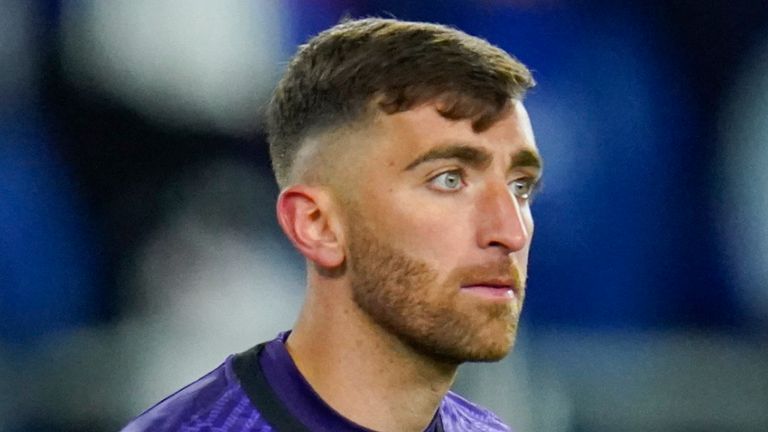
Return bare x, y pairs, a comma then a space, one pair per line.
409, 133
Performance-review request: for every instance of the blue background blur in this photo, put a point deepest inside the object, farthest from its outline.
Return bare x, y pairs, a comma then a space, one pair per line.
133, 171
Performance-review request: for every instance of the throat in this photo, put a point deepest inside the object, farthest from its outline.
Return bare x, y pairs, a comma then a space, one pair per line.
372, 380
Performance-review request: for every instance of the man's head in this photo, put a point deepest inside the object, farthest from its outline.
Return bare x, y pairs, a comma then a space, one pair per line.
406, 162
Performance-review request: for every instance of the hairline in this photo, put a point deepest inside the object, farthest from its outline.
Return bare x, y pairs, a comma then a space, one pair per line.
318, 140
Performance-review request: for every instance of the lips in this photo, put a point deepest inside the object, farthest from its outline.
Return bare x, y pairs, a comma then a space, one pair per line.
493, 288
492, 283
500, 280
489, 285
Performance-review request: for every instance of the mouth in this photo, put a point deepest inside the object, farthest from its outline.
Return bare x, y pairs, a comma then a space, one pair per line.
492, 289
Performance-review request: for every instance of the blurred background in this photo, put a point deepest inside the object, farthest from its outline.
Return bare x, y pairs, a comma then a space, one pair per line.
138, 246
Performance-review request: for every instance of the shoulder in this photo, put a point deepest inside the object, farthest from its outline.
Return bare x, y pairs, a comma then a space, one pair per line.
214, 402
459, 414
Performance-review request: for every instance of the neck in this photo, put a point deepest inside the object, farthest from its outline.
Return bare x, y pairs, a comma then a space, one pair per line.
361, 370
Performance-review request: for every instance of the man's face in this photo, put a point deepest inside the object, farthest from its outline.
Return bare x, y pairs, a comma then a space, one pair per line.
439, 227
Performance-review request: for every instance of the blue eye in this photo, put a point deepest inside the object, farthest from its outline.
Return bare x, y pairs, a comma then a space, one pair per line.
522, 188
449, 181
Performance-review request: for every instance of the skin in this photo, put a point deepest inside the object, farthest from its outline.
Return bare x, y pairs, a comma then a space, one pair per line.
417, 260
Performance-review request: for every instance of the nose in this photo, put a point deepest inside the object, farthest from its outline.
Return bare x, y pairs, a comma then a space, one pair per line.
503, 220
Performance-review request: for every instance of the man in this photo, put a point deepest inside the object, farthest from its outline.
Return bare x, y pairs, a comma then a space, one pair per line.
406, 163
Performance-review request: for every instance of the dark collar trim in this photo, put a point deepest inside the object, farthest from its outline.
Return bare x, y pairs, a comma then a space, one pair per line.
248, 371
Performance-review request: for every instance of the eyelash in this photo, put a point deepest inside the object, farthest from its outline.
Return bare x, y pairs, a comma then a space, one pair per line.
529, 184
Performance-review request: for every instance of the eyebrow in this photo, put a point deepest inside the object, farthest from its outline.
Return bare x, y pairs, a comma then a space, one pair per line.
475, 157
525, 159
472, 156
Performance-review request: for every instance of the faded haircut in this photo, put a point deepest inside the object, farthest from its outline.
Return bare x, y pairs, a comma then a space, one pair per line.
359, 67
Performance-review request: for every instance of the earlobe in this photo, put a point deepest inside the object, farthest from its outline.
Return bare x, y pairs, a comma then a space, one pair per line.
306, 216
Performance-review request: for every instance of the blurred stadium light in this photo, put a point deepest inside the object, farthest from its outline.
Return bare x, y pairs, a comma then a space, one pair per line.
194, 63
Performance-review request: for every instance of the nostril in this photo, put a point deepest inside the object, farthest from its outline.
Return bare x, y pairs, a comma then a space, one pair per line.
498, 244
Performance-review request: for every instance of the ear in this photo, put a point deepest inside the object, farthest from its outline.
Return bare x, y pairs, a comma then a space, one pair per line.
308, 218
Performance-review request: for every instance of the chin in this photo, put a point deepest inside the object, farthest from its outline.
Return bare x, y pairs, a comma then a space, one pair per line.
490, 353
479, 348
482, 355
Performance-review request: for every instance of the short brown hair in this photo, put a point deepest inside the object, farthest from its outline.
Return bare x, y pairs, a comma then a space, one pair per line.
333, 79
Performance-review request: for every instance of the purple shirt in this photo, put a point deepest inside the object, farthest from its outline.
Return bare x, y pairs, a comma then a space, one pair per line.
261, 390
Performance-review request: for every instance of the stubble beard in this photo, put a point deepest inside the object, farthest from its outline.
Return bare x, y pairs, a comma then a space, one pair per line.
401, 295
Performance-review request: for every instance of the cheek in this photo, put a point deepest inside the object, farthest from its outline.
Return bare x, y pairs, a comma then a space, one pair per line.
425, 232
436, 222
